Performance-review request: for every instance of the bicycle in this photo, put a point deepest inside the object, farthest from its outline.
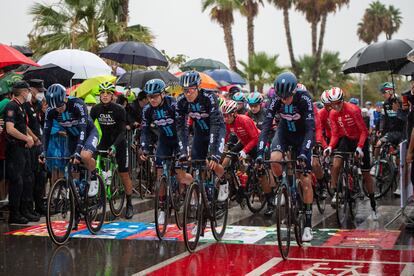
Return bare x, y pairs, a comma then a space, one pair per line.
289, 206
384, 170
107, 168
173, 200
326, 180
252, 191
201, 204
68, 200
347, 188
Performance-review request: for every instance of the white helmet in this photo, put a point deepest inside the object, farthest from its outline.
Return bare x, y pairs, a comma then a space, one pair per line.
229, 107
335, 94
324, 97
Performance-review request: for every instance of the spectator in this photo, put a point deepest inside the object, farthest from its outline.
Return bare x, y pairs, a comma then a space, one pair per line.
354, 101
134, 111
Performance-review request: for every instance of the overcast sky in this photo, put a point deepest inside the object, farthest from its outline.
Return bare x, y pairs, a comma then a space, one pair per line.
181, 28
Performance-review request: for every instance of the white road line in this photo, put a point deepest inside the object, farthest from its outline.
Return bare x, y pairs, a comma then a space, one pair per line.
408, 270
350, 261
265, 267
169, 261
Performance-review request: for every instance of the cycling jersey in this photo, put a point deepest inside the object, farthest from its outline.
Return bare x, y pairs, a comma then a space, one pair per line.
297, 122
258, 118
392, 120
208, 123
325, 127
349, 123
163, 117
245, 130
79, 127
112, 120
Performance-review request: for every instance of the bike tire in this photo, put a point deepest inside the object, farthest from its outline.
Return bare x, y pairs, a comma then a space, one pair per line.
192, 219
117, 195
320, 202
162, 184
385, 178
178, 206
298, 216
95, 219
63, 192
220, 212
342, 199
283, 222
255, 196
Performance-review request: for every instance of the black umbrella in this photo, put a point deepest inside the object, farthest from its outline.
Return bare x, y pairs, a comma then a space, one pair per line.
132, 52
137, 79
50, 74
389, 55
407, 70
24, 50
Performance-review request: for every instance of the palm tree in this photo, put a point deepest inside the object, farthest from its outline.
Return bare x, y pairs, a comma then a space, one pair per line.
373, 23
394, 21
263, 69
81, 24
330, 72
285, 5
222, 12
250, 9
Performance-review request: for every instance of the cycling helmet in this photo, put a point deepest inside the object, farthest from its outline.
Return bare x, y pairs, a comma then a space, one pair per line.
301, 87
255, 98
221, 101
335, 94
154, 86
324, 97
55, 95
379, 103
229, 107
368, 103
386, 86
190, 78
107, 87
285, 85
354, 101
239, 97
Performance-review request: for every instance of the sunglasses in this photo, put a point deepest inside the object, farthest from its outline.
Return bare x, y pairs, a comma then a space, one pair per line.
189, 90
107, 92
152, 97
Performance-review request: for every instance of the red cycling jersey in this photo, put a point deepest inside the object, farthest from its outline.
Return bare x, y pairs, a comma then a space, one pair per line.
349, 123
245, 130
325, 126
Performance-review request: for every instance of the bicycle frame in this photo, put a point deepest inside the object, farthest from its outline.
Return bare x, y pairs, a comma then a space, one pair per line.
109, 162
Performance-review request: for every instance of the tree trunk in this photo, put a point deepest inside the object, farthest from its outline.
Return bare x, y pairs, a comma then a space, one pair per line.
250, 46
315, 73
314, 28
228, 39
124, 17
295, 68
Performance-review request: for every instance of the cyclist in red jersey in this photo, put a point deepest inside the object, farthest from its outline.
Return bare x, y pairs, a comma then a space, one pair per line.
349, 133
324, 136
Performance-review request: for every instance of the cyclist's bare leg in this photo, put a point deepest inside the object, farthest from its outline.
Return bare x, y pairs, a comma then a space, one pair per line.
126, 181
183, 178
317, 168
276, 168
306, 182
226, 162
87, 159
336, 167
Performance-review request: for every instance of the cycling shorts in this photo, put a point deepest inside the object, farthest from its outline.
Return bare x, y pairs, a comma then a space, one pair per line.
91, 142
347, 145
165, 149
201, 143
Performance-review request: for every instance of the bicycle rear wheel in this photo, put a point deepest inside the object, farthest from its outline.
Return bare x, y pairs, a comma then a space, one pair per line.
219, 212
298, 216
384, 175
342, 199
320, 201
96, 208
117, 197
256, 199
283, 221
193, 217
161, 187
178, 205
60, 212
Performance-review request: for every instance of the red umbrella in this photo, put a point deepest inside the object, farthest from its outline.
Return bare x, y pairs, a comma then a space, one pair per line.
10, 56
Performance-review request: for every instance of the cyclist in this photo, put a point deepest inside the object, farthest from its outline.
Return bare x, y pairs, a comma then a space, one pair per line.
161, 112
71, 113
349, 134
240, 99
296, 128
111, 120
256, 111
209, 129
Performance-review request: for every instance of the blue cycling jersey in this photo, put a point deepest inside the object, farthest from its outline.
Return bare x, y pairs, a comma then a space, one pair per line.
296, 121
75, 120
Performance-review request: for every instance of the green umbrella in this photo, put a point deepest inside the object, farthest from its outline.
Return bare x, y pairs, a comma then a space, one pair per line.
202, 64
7, 81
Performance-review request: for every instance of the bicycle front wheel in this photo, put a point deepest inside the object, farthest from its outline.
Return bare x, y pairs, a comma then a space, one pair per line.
342, 199
256, 199
384, 176
298, 216
193, 217
283, 221
161, 207
60, 212
96, 208
117, 196
219, 213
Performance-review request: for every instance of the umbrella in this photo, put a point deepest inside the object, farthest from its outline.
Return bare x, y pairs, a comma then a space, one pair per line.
139, 78
84, 64
88, 85
7, 81
410, 56
407, 70
24, 50
387, 55
10, 56
132, 52
50, 74
226, 75
207, 82
71, 90
202, 64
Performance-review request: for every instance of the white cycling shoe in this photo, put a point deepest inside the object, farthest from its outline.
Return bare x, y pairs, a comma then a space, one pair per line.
374, 215
93, 188
223, 192
282, 200
307, 234
161, 218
